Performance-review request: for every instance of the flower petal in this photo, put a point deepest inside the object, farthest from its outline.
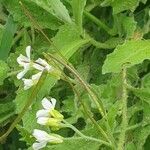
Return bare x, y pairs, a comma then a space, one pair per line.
28, 51
42, 64
21, 74
22, 60
53, 101
41, 136
42, 113
36, 76
48, 104
28, 83
42, 120
37, 146
38, 67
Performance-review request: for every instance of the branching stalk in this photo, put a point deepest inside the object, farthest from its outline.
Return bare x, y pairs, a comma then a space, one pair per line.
99, 23
84, 84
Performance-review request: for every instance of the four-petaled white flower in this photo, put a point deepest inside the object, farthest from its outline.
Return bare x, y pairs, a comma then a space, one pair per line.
49, 116
28, 83
43, 138
25, 62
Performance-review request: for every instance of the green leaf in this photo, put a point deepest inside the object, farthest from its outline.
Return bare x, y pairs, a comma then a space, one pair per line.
29, 119
112, 113
3, 71
130, 146
141, 136
44, 19
146, 81
56, 8
26, 136
7, 38
72, 41
119, 6
60, 10
143, 94
126, 25
78, 8
6, 111
1, 31
21, 98
131, 52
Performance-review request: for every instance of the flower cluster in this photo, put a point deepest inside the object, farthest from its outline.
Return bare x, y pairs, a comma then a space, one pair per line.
51, 117
48, 116
27, 64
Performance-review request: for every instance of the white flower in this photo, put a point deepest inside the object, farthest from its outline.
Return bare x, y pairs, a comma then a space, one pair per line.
41, 64
43, 138
28, 83
25, 62
48, 107
49, 116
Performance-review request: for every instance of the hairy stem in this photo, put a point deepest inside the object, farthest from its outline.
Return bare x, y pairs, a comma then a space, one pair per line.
84, 136
124, 111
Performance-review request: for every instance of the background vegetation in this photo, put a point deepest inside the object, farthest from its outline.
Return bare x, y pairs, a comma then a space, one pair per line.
101, 48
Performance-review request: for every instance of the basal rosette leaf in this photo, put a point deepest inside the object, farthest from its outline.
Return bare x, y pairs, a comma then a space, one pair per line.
130, 53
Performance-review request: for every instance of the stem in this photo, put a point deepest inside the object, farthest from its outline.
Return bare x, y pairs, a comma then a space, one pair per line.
101, 45
124, 111
84, 136
106, 45
130, 128
99, 23
18, 36
33, 35
29, 102
89, 138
